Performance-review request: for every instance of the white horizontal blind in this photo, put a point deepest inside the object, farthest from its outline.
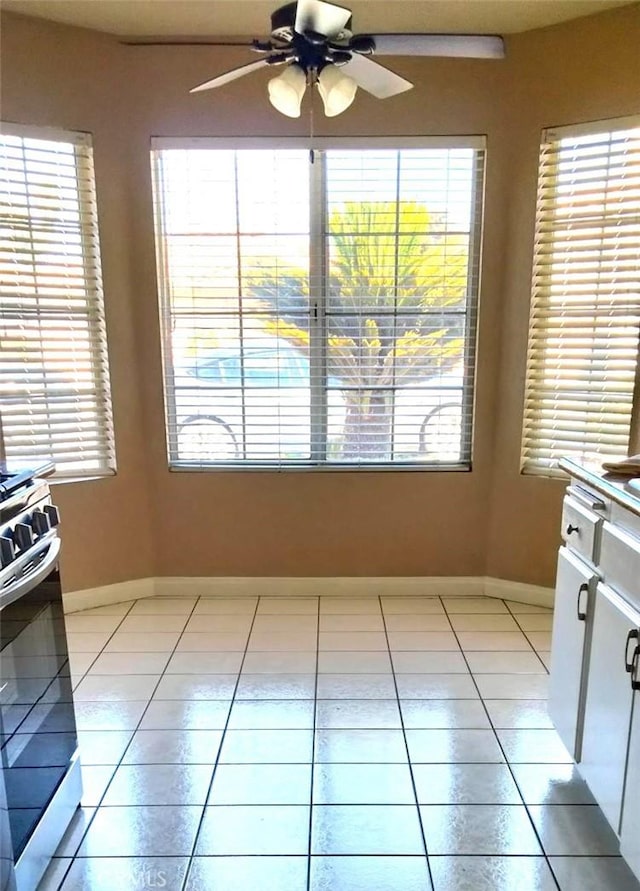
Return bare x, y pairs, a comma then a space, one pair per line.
585, 311
233, 244
318, 314
54, 381
401, 245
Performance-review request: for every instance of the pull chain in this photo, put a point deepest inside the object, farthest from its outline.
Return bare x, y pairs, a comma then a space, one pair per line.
312, 156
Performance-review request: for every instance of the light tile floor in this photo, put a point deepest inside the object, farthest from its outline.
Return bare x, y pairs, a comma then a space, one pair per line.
325, 744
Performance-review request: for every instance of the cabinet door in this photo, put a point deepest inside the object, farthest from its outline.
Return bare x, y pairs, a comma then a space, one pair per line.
630, 834
575, 589
609, 702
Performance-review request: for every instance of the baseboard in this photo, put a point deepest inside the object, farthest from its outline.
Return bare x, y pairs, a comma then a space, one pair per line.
342, 586
108, 594
536, 595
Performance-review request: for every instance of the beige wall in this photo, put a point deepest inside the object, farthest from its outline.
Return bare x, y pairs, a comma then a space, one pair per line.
585, 70
150, 521
59, 77
316, 523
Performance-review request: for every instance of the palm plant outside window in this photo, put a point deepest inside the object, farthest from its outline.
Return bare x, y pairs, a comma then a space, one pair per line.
318, 314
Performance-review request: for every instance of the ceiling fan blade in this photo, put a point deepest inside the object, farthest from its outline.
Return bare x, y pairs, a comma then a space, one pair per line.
228, 76
374, 78
470, 46
187, 41
323, 18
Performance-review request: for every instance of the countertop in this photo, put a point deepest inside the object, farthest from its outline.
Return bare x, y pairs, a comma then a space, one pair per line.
623, 490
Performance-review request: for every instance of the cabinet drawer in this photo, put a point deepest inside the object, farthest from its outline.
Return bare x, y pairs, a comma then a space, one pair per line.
620, 562
581, 529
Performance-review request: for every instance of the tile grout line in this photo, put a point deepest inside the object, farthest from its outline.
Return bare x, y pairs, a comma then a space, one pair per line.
137, 727
313, 749
535, 650
106, 644
406, 744
189, 859
222, 740
506, 760
73, 688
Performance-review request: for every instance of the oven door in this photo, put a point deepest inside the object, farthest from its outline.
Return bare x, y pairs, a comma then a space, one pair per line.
37, 723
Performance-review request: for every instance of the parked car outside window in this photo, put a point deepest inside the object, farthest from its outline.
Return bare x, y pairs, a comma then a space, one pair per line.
257, 404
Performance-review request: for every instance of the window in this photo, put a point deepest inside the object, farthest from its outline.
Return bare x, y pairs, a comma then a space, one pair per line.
54, 381
585, 311
318, 311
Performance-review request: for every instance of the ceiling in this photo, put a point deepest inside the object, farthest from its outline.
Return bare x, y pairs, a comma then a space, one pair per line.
215, 18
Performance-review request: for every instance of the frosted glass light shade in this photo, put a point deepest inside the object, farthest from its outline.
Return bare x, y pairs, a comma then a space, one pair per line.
286, 91
337, 90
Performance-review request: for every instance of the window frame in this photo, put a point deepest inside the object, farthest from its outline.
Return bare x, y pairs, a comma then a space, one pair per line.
93, 305
317, 279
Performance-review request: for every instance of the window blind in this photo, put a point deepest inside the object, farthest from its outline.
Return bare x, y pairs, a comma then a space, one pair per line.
585, 307
54, 379
318, 314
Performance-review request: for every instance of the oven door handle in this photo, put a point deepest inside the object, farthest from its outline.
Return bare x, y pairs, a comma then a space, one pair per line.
16, 589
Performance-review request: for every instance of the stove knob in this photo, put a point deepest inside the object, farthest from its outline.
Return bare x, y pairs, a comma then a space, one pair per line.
7, 550
53, 514
23, 536
40, 522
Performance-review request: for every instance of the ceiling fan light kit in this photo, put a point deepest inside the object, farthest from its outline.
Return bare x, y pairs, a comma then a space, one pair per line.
313, 39
337, 90
287, 89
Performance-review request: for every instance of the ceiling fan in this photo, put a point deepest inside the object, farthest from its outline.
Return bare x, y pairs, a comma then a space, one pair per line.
313, 39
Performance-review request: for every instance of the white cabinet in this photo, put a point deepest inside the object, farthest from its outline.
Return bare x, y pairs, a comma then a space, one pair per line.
630, 834
595, 664
575, 590
609, 701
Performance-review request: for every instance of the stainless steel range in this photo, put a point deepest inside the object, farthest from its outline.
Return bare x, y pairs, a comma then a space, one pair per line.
40, 784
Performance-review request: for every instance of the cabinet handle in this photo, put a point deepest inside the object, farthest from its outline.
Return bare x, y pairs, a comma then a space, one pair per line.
583, 589
628, 663
587, 498
635, 683
571, 529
